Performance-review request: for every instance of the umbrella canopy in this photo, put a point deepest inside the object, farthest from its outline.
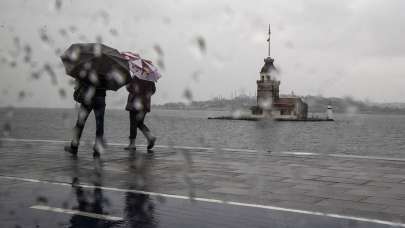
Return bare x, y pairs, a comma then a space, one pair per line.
96, 64
141, 68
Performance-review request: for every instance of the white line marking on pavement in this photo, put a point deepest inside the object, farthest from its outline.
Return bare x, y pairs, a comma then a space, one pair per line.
74, 212
267, 207
292, 153
300, 153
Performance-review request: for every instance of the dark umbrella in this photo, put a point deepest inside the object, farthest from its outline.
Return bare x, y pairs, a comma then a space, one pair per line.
96, 64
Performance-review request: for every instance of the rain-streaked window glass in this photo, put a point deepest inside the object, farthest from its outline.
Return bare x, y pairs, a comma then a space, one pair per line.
175, 113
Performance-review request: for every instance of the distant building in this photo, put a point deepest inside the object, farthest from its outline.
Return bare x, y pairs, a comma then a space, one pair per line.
269, 102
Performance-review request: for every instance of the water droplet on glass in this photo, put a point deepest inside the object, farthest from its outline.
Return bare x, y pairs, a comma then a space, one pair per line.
27, 51
82, 74
201, 44
158, 49
58, 4
35, 75
62, 93
188, 95
21, 95
138, 104
6, 129
72, 28
48, 69
42, 199
99, 39
113, 32
89, 94
93, 77
161, 64
196, 75
44, 36
97, 50
116, 76
13, 64
74, 54
63, 32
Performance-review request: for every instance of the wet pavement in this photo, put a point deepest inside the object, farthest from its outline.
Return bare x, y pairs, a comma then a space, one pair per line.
41, 186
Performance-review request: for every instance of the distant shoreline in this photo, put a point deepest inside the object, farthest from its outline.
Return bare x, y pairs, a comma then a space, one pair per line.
317, 104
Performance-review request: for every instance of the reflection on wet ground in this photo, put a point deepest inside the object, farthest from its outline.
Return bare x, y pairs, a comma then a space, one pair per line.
42, 186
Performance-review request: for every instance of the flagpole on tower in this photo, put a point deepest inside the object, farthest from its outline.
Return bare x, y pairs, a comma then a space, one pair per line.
268, 40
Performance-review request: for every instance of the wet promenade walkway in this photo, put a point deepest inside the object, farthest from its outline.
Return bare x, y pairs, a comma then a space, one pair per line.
42, 185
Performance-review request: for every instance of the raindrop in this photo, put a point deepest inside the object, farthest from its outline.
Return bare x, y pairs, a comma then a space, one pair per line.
13, 63
188, 94
73, 28
113, 32
7, 129
158, 50
82, 73
21, 95
42, 199
97, 49
72, 82
35, 75
74, 54
17, 44
44, 36
196, 75
62, 93
66, 120
58, 4
88, 97
58, 51
201, 44
65, 205
28, 51
87, 66
63, 32
48, 69
117, 76
138, 104
104, 16
99, 39
161, 63
93, 77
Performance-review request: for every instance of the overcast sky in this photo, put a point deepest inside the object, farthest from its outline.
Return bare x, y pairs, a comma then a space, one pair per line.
330, 48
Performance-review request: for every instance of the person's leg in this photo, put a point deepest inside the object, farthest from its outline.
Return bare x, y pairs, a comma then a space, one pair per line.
132, 131
99, 111
83, 114
140, 118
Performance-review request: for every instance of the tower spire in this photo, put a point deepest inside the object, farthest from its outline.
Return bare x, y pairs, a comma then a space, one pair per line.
268, 40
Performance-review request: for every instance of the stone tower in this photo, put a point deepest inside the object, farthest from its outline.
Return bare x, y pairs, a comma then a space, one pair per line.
267, 85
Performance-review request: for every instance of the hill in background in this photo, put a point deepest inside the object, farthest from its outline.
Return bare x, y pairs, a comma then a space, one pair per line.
317, 104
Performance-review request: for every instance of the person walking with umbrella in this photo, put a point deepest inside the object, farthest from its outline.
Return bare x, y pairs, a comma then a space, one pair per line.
140, 89
96, 68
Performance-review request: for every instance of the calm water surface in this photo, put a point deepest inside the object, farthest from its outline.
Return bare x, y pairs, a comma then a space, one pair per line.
380, 135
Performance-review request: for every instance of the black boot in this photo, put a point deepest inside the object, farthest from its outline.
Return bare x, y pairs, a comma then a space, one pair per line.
71, 149
151, 143
131, 146
98, 147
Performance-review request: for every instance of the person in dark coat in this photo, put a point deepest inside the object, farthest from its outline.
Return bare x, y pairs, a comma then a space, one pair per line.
90, 99
138, 105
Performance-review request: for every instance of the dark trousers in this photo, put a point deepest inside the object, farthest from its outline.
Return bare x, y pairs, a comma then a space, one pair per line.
136, 120
98, 106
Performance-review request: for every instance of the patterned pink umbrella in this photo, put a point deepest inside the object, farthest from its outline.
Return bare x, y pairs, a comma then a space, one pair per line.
141, 68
